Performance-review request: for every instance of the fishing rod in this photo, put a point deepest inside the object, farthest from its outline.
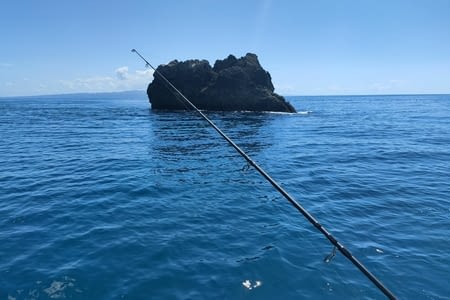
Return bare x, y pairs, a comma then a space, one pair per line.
301, 209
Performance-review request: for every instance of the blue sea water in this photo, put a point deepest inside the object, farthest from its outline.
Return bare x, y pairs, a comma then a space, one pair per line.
103, 198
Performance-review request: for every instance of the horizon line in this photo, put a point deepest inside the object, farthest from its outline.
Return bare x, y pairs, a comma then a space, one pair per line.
286, 95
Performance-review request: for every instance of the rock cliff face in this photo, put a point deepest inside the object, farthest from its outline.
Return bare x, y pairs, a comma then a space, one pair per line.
231, 85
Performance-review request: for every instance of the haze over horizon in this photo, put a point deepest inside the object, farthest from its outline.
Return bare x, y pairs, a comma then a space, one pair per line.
309, 47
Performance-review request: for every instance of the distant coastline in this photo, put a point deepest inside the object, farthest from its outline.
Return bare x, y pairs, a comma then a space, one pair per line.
82, 94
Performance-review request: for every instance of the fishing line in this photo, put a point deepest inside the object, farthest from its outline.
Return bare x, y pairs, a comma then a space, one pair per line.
286, 195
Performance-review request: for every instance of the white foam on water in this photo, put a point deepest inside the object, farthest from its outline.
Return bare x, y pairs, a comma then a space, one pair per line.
248, 284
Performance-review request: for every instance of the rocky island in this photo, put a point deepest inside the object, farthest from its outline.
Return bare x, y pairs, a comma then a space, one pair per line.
231, 84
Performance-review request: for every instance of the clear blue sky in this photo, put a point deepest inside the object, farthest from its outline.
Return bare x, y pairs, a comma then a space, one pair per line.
314, 47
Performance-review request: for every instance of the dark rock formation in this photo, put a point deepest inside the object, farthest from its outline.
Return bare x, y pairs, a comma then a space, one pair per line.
232, 84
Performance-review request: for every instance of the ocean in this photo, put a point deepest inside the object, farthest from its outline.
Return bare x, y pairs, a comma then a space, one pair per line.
103, 198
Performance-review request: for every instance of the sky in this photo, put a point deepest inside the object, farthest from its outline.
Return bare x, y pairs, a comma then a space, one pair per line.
315, 47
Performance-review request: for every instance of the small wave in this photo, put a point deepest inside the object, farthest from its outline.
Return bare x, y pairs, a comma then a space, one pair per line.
249, 112
305, 112
57, 288
278, 112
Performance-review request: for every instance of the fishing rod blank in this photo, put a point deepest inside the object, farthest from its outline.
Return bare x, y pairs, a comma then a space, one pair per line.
286, 195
